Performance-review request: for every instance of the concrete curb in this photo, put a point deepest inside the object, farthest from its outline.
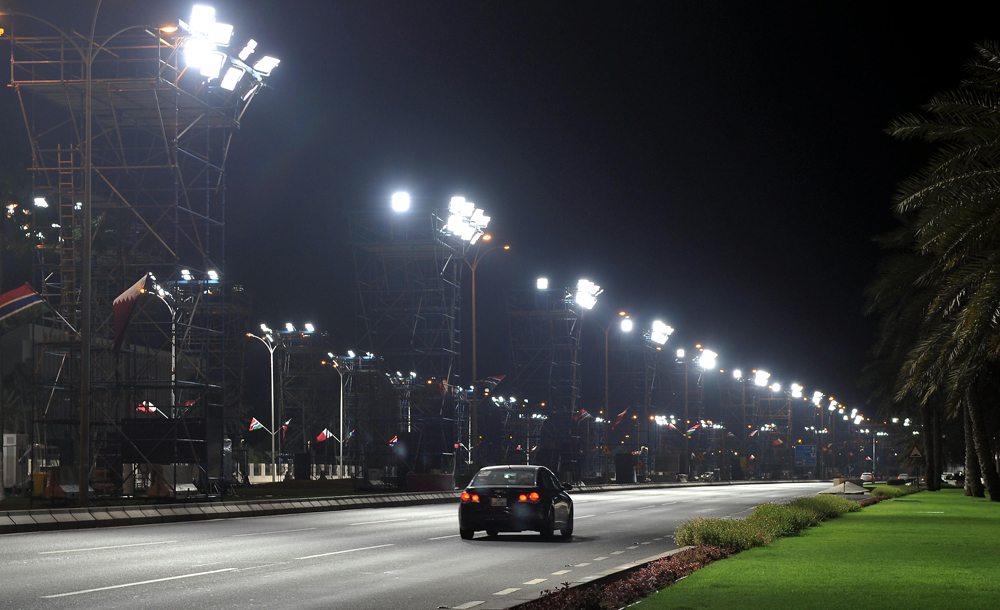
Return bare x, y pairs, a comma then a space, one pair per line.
47, 519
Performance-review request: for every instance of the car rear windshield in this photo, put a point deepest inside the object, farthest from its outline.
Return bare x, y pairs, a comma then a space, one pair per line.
504, 477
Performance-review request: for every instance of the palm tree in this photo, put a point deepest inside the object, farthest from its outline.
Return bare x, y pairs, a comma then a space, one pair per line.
942, 288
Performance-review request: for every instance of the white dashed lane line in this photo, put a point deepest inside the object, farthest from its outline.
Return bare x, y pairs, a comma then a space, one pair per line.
364, 548
468, 605
535, 581
137, 584
305, 529
561, 572
508, 591
615, 512
598, 558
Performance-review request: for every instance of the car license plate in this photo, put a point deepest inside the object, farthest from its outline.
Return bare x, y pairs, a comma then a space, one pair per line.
498, 501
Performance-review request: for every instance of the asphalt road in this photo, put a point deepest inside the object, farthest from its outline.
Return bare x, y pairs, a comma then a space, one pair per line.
408, 557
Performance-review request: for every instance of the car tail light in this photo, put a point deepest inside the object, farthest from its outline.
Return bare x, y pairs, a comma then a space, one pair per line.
523, 497
467, 497
533, 496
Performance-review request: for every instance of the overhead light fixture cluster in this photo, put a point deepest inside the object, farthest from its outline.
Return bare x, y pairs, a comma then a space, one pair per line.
205, 36
660, 333
586, 294
465, 220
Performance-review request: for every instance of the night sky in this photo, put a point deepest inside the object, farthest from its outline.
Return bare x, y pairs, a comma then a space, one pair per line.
722, 166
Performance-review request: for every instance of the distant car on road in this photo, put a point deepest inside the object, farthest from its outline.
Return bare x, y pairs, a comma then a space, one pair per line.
902, 476
515, 499
867, 477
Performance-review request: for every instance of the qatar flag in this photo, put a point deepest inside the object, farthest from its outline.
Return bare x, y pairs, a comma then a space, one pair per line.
123, 307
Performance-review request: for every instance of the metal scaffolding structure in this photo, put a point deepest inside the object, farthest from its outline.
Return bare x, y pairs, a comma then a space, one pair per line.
308, 400
408, 271
545, 327
761, 422
161, 137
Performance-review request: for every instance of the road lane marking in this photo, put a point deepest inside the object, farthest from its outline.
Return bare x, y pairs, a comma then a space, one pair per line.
598, 558
618, 511
535, 581
136, 584
657, 538
374, 522
443, 537
364, 548
304, 529
561, 572
632, 547
668, 503
645, 507
101, 548
507, 591
468, 605
645, 543
582, 517
617, 552
582, 565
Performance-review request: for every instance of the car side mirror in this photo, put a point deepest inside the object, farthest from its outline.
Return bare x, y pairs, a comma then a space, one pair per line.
567, 486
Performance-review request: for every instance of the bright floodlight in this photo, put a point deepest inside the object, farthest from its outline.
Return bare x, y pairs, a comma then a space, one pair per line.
202, 19
626, 324
310, 328
220, 34
737, 373
350, 353
707, 359
796, 390
586, 294
265, 64
289, 327
41, 203
859, 419
833, 405
232, 78
542, 283
680, 353
401, 201
761, 377
776, 387
248, 50
461, 207
660, 333
213, 274
817, 397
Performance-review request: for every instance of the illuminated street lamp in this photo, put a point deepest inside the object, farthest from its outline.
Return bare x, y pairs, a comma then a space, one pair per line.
271, 344
401, 201
481, 252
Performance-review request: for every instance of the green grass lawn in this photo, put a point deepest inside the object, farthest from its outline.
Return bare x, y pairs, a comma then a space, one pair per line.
927, 550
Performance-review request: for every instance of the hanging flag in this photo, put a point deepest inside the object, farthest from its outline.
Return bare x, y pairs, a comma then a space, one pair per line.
671, 427
123, 306
730, 435
284, 428
255, 425
581, 415
754, 433
777, 442
20, 306
620, 417
325, 434
490, 382
752, 457
393, 440
692, 429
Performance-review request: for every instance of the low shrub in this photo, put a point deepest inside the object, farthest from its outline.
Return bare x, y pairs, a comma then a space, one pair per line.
827, 506
894, 491
782, 520
736, 534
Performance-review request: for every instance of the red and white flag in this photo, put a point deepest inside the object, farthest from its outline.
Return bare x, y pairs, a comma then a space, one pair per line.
325, 434
123, 307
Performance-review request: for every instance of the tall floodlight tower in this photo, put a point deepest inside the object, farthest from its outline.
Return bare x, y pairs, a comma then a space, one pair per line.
545, 328
408, 263
130, 134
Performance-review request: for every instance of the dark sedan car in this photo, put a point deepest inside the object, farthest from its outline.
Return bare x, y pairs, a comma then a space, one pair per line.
515, 499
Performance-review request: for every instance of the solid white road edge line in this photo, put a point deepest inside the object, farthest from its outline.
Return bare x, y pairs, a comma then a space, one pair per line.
364, 548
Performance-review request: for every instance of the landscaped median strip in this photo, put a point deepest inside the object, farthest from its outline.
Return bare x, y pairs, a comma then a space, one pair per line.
708, 540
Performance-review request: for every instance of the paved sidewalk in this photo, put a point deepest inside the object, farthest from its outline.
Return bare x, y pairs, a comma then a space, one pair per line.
47, 519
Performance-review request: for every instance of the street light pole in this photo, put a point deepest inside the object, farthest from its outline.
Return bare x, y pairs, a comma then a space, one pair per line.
271, 345
340, 437
474, 432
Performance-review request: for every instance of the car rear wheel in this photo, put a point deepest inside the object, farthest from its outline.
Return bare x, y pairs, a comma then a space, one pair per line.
550, 525
466, 533
567, 530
